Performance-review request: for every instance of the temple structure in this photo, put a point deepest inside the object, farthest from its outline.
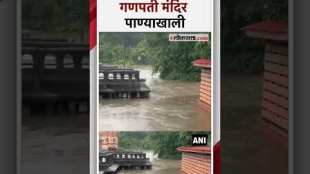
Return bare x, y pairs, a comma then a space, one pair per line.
108, 140
113, 160
116, 83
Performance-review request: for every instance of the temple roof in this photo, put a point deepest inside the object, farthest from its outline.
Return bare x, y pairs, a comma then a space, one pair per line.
202, 63
268, 30
195, 149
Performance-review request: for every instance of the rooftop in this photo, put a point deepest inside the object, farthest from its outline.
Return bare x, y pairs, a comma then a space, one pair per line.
195, 149
269, 30
202, 63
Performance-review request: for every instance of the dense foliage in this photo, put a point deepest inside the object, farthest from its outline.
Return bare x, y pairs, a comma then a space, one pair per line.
240, 53
173, 60
56, 16
164, 144
121, 49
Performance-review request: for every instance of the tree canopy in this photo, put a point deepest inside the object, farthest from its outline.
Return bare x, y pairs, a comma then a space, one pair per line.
172, 60
164, 144
238, 52
56, 16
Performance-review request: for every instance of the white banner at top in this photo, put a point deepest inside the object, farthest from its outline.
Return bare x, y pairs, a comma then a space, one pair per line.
154, 15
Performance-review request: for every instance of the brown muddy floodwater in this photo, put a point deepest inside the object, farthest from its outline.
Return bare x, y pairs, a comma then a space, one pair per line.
172, 105
159, 166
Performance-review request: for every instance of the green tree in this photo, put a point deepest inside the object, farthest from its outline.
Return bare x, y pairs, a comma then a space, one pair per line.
173, 60
164, 144
56, 16
240, 53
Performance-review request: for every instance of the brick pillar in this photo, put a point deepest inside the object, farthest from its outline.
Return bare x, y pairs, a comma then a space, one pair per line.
275, 94
205, 88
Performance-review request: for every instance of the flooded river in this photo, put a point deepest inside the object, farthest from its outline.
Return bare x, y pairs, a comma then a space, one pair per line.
172, 105
159, 166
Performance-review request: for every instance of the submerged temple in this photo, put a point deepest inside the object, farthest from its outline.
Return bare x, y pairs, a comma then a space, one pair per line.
112, 159
115, 82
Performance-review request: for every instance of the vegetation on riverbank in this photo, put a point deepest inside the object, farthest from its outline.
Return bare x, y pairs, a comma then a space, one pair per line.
172, 60
240, 53
164, 144
55, 15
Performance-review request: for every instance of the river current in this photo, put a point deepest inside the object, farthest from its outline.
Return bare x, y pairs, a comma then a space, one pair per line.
172, 105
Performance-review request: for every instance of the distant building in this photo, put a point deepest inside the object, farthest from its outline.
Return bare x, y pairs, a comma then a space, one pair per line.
195, 160
108, 140
205, 83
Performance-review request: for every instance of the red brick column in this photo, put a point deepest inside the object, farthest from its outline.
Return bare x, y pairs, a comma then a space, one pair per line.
275, 94
205, 88
275, 90
205, 82
195, 160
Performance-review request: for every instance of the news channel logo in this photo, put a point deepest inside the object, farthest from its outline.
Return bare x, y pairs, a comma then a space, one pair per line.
200, 139
188, 37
